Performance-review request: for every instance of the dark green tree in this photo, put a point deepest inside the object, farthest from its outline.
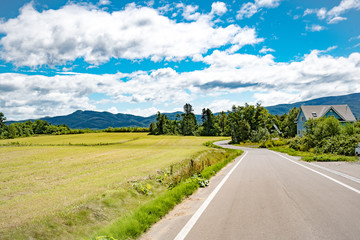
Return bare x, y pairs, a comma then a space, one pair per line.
2, 125
223, 124
209, 127
39, 126
188, 122
287, 124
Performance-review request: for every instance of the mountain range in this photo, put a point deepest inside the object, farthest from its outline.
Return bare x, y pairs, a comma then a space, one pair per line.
101, 120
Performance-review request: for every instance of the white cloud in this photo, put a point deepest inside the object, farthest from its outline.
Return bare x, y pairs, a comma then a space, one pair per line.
344, 6
113, 110
333, 15
218, 8
55, 37
320, 13
336, 20
267, 3
317, 75
189, 11
315, 28
249, 9
104, 2
266, 50
144, 112
223, 105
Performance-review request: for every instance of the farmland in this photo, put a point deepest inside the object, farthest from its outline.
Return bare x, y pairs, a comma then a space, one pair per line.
50, 177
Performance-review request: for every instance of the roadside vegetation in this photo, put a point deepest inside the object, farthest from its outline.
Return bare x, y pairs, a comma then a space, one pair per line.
132, 225
325, 139
242, 123
74, 186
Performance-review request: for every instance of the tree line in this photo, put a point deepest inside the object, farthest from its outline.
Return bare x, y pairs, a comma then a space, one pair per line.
29, 128
242, 123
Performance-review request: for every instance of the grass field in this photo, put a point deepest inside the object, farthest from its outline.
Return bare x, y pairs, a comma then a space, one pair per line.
42, 178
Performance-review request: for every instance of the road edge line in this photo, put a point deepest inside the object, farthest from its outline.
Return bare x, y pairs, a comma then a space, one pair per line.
336, 172
190, 224
322, 174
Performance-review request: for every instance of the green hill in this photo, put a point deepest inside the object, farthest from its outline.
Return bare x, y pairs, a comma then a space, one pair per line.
353, 100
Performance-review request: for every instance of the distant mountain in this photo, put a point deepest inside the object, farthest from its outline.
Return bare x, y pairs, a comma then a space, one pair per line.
101, 120
353, 100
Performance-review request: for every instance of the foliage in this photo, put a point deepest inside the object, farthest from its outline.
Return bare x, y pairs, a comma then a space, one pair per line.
287, 123
338, 144
186, 126
29, 128
134, 224
327, 158
198, 179
188, 123
143, 189
209, 128
273, 143
248, 120
310, 156
326, 135
126, 129
242, 123
222, 124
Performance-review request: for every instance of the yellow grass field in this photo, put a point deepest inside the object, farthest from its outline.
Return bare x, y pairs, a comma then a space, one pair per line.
43, 175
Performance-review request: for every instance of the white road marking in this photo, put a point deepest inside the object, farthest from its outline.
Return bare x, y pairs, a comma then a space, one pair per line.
324, 175
337, 173
189, 225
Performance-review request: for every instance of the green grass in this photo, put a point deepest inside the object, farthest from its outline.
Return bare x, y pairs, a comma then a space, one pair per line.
132, 225
310, 157
248, 144
68, 186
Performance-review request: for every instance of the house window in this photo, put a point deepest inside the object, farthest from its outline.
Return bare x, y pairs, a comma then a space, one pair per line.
314, 114
303, 119
299, 132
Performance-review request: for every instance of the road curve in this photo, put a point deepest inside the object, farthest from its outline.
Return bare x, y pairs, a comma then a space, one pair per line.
268, 196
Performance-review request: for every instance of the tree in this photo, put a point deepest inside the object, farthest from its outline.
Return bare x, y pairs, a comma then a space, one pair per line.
188, 123
39, 126
2, 125
247, 120
287, 125
2, 120
223, 124
208, 126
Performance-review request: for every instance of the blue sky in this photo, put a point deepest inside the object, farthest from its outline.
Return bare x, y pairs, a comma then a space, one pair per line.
141, 57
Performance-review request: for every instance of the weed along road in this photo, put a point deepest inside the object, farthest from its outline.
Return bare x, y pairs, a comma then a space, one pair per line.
267, 195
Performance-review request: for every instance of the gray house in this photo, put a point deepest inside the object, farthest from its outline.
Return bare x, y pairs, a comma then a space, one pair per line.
340, 112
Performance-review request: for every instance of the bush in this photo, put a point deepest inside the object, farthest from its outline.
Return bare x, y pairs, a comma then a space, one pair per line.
341, 145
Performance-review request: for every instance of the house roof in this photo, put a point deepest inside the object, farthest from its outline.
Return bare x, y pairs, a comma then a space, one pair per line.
318, 111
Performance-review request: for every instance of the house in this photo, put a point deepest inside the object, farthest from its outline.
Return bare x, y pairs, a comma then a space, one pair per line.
340, 112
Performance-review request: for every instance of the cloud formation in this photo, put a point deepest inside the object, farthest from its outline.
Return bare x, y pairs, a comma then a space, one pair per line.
56, 37
317, 75
247, 10
334, 14
315, 28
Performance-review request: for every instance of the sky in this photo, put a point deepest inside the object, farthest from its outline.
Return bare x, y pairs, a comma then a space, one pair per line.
140, 57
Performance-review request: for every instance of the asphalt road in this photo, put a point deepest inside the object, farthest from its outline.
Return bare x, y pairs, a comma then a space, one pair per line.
267, 195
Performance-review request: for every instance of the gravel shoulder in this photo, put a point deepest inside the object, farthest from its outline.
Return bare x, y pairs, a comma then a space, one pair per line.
349, 168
